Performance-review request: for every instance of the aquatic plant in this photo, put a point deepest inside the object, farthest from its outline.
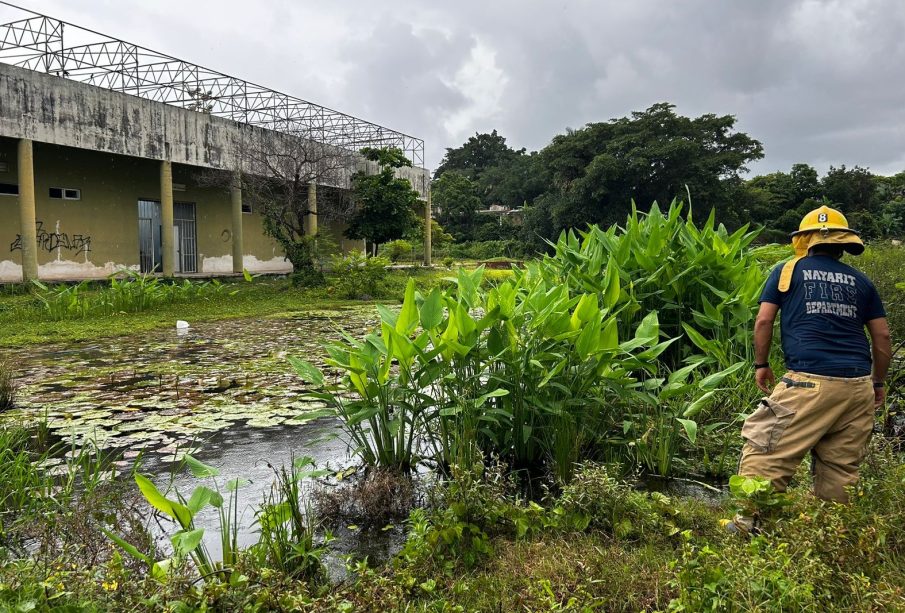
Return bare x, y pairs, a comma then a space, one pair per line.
187, 541
7, 385
129, 291
287, 540
606, 348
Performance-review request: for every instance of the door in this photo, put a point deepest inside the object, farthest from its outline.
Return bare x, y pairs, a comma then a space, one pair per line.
149, 252
185, 244
184, 237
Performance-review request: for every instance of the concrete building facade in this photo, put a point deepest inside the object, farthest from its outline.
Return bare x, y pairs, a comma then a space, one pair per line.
93, 181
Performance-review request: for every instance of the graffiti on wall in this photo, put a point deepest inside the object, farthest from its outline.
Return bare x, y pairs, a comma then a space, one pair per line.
56, 241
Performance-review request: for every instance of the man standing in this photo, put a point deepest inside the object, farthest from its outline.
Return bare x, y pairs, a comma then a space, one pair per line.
825, 402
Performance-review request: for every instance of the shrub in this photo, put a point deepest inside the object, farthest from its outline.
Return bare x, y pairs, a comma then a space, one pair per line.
7, 386
817, 556
358, 277
307, 277
484, 250
882, 263
397, 250
597, 499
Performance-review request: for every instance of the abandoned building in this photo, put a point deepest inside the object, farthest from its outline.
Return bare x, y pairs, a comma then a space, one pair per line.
105, 146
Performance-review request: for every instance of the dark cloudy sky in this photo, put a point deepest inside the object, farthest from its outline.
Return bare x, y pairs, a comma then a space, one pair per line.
820, 81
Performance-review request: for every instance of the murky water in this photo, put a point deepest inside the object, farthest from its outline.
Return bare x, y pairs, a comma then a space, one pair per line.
221, 390
162, 390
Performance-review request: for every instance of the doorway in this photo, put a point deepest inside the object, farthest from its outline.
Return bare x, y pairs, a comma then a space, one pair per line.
150, 245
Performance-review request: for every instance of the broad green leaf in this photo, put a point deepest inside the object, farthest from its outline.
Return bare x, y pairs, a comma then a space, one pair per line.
494, 394
611, 291
199, 469
408, 315
697, 338
691, 428
386, 315
649, 328
695, 407
432, 310
201, 497
127, 547
713, 381
185, 541
682, 373
160, 502
587, 342
308, 372
160, 571
609, 337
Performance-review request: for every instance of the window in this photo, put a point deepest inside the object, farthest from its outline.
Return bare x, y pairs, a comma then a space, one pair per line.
65, 193
246, 207
4, 166
9, 189
178, 187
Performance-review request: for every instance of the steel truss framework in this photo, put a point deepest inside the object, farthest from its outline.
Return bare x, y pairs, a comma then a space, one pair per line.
36, 42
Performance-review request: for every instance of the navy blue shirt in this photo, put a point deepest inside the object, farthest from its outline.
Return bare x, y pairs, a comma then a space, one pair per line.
822, 317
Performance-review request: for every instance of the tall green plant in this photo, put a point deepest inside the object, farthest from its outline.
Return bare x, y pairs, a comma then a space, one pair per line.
187, 542
609, 348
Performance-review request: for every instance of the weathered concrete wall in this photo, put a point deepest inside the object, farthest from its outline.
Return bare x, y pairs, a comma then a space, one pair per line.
98, 235
51, 109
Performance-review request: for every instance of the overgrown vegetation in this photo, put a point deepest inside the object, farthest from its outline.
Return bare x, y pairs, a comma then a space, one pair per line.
541, 397
129, 292
602, 351
7, 385
590, 175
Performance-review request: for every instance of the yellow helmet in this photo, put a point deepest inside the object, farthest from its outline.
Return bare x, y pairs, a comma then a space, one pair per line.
823, 219
823, 226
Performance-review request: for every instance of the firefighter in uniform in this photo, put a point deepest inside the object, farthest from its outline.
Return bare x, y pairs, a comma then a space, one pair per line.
825, 402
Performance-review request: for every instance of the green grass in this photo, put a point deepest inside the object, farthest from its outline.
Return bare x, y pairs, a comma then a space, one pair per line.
24, 321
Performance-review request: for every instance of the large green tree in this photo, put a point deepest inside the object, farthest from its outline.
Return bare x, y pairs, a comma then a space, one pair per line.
597, 171
384, 204
477, 154
453, 194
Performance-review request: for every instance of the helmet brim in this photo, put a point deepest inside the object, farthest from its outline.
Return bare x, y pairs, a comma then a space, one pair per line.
828, 227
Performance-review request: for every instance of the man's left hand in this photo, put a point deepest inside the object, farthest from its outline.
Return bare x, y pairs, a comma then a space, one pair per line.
879, 396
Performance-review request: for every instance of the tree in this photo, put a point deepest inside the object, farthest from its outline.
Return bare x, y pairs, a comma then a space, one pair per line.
513, 182
478, 153
453, 195
597, 171
384, 204
852, 190
274, 172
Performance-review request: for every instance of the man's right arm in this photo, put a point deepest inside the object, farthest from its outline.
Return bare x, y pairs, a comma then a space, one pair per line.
763, 337
881, 352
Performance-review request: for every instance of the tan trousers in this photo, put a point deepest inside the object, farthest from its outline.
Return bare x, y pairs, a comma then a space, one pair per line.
832, 417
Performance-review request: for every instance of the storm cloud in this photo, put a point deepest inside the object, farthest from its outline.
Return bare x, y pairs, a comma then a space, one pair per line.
817, 81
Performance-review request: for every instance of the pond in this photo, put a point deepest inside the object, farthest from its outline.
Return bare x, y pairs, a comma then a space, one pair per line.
160, 391
222, 390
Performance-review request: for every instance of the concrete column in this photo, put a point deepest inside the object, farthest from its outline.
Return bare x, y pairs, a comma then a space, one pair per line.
235, 193
27, 228
427, 228
311, 218
166, 218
